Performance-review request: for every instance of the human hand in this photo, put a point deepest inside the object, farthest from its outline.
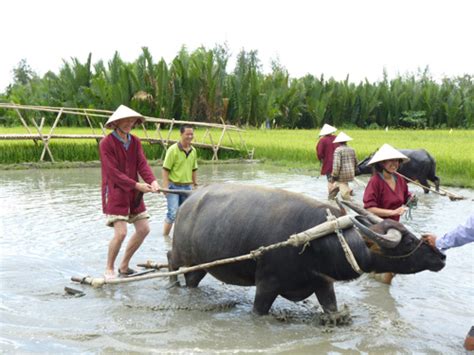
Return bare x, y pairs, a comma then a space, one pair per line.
399, 211
155, 186
143, 187
430, 239
412, 200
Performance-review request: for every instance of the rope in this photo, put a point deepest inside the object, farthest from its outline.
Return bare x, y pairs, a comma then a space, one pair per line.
345, 246
294, 240
412, 204
406, 255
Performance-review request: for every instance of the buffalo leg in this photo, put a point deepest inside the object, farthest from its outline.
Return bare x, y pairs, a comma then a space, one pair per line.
424, 182
193, 278
327, 297
265, 295
436, 182
172, 267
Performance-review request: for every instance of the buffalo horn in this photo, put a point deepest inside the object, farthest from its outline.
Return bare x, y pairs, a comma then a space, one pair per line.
362, 211
389, 240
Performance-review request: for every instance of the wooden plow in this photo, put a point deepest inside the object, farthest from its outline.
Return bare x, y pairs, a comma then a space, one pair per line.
36, 131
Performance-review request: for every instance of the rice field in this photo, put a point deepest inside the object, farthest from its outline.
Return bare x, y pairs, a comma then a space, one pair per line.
453, 150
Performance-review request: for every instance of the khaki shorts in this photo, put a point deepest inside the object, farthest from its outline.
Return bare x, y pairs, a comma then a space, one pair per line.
112, 218
343, 188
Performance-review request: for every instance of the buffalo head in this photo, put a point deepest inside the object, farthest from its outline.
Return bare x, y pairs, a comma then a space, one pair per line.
394, 247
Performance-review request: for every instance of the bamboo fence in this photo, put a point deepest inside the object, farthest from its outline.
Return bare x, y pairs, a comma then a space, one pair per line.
161, 135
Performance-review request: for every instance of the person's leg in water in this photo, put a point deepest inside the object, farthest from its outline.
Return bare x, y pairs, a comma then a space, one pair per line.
142, 229
173, 204
120, 232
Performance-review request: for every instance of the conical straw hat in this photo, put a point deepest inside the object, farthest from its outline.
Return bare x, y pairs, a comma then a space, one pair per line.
342, 137
387, 152
327, 129
121, 113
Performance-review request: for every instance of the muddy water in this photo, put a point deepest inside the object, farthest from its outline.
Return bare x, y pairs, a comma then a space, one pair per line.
51, 228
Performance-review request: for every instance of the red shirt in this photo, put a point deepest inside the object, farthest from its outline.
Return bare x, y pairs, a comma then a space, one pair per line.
379, 194
120, 169
325, 151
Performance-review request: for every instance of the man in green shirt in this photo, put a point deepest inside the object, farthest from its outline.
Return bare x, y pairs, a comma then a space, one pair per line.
179, 173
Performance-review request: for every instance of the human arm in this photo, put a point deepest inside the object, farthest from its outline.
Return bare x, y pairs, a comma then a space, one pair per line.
165, 177
459, 236
320, 150
144, 169
111, 166
384, 212
195, 184
336, 165
373, 200
194, 173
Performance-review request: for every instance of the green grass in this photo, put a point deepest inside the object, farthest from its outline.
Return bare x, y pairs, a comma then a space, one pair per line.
454, 152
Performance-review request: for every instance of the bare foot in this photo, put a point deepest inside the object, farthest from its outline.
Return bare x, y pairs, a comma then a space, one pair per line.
109, 275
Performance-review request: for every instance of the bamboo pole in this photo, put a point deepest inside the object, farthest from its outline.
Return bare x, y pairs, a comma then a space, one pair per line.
146, 133
205, 135
90, 124
219, 143
213, 147
42, 137
160, 139
41, 124
294, 240
451, 196
107, 113
88, 113
25, 125
46, 144
169, 132
104, 132
228, 134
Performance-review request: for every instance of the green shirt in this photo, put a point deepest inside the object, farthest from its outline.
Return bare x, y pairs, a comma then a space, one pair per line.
180, 164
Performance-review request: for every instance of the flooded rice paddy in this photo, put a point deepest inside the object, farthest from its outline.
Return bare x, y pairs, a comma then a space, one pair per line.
52, 228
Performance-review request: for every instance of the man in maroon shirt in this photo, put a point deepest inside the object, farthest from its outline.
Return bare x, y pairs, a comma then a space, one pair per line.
122, 159
325, 152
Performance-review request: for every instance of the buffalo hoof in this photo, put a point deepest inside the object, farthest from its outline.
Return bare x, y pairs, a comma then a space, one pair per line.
173, 284
333, 319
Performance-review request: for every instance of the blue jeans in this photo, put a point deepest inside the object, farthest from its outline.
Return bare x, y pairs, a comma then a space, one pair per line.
174, 201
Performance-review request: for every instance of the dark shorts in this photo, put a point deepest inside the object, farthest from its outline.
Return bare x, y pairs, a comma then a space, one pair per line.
328, 177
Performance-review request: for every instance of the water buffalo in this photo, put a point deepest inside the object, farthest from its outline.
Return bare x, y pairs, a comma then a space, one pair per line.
222, 220
421, 167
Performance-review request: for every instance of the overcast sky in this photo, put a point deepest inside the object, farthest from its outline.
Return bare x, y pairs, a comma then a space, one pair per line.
334, 37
